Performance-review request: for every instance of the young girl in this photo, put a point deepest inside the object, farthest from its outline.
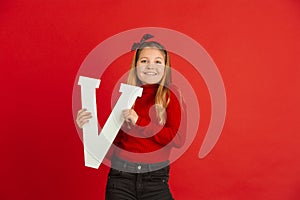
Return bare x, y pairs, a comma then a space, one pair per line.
140, 166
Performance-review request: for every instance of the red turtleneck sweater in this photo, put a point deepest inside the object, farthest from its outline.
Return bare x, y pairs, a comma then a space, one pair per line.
148, 141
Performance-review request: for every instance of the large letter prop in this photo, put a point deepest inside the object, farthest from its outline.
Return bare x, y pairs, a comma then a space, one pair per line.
97, 145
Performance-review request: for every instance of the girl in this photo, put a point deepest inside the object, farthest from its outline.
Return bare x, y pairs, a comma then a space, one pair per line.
140, 166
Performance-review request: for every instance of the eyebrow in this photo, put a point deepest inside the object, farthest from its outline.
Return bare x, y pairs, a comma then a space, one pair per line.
147, 57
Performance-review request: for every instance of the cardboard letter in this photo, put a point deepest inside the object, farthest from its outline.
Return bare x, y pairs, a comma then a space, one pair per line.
96, 146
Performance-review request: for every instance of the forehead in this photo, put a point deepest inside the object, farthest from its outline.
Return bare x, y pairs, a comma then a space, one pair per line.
151, 53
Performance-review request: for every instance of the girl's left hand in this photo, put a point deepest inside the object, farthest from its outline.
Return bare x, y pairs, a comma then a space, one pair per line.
130, 116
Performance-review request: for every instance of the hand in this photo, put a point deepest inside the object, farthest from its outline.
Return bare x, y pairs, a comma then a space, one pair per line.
83, 117
130, 116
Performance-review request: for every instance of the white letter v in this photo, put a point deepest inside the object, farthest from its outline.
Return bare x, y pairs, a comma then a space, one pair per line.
96, 146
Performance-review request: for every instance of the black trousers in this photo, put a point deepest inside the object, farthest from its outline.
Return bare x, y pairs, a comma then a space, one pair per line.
124, 185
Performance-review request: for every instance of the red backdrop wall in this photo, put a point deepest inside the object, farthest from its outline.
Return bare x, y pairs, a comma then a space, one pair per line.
255, 45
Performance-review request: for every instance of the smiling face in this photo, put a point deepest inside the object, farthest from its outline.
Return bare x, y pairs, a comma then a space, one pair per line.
150, 66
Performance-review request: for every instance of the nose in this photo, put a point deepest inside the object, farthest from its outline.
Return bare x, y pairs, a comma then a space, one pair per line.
150, 66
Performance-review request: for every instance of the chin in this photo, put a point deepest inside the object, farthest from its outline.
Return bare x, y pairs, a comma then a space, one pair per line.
151, 81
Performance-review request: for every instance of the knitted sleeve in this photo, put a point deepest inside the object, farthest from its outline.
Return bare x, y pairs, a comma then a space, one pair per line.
174, 130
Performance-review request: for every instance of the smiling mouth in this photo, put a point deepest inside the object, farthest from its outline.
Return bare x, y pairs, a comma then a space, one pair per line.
150, 73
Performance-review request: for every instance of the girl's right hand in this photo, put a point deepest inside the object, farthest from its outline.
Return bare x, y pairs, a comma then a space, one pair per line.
83, 117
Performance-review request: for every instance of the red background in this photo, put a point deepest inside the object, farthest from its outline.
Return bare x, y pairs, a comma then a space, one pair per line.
255, 45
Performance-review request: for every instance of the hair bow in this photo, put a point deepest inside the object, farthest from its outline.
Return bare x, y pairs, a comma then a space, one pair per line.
144, 38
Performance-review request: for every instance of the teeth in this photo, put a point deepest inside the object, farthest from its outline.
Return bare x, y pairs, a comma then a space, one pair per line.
150, 73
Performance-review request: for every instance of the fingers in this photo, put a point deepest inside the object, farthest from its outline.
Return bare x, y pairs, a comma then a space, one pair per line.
83, 117
81, 111
130, 116
125, 115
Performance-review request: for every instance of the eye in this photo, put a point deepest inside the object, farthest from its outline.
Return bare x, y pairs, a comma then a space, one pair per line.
143, 61
158, 62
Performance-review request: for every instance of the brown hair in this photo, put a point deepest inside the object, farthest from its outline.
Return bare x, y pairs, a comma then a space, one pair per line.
162, 97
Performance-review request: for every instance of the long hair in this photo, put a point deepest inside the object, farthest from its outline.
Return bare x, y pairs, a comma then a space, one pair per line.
162, 97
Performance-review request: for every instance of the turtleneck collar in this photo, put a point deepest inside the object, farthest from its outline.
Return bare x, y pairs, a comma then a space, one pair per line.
151, 88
